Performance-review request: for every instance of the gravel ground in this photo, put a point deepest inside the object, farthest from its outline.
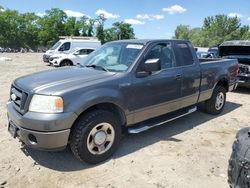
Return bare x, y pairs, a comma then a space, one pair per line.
190, 152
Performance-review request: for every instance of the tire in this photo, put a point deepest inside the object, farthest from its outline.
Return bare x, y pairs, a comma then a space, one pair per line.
211, 106
87, 136
65, 63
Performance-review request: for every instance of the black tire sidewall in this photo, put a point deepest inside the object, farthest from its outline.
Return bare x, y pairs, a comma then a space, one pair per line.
87, 126
211, 103
65, 63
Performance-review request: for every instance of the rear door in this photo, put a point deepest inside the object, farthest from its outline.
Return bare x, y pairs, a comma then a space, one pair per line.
157, 93
190, 73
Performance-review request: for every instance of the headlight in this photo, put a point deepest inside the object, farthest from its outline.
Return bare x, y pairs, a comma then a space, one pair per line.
46, 104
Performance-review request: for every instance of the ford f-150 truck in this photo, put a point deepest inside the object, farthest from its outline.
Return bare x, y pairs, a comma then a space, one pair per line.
128, 85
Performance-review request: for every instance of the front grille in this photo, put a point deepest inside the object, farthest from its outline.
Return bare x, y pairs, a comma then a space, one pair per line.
243, 69
19, 98
46, 58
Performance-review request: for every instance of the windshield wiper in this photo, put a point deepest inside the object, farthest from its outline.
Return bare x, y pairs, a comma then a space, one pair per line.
98, 67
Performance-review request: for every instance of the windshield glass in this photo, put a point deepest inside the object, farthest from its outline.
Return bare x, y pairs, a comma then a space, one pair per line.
117, 57
55, 45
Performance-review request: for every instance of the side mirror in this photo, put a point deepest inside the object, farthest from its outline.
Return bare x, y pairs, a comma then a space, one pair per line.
149, 66
152, 65
77, 53
61, 49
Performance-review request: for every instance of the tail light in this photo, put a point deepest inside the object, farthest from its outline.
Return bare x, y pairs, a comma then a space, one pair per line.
233, 71
237, 69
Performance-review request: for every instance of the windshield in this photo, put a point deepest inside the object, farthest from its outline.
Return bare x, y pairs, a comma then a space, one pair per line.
55, 45
117, 57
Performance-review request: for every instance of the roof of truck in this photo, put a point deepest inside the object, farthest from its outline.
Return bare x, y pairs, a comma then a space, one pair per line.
145, 41
236, 43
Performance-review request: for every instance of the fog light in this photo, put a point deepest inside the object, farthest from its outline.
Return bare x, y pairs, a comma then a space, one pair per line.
32, 139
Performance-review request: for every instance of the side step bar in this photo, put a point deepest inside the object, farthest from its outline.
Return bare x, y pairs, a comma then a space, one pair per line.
161, 120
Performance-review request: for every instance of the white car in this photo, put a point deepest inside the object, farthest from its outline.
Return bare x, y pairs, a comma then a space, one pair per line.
69, 59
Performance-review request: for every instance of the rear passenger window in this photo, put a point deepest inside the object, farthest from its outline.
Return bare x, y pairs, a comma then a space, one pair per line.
183, 54
89, 51
83, 52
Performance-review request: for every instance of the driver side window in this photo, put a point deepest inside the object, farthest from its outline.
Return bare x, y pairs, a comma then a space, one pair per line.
65, 47
164, 52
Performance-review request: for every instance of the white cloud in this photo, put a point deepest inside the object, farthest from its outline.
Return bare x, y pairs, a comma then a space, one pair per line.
175, 9
72, 13
248, 18
150, 16
235, 14
134, 22
41, 14
106, 14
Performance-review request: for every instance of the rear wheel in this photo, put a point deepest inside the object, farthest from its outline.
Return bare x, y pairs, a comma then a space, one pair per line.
65, 63
95, 136
216, 103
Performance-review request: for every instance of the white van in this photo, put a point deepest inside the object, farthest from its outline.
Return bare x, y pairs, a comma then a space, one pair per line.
68, 44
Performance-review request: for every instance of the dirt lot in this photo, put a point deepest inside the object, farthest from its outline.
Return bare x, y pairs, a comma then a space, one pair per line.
190, 152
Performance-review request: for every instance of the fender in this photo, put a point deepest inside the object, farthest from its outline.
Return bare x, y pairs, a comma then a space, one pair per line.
98, 96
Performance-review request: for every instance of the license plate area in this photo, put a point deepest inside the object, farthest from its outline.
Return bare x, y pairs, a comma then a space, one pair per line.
12, 129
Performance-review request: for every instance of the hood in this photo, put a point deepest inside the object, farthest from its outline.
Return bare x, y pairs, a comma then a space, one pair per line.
242, 53
50, 52
58, 80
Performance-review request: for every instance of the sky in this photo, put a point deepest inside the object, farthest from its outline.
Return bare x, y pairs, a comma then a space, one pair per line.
149, 18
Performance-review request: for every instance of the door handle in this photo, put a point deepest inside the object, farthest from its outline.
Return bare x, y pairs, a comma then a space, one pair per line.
178, 77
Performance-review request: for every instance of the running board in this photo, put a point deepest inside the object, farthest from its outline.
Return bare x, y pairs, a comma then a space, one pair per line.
161, 120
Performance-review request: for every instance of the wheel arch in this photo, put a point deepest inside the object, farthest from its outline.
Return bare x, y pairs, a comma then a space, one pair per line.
108, 106
223, 82
71, 62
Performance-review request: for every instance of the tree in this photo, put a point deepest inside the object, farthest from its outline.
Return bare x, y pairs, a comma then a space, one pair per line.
123, 30
72, 27
214, 31
182, 32
31, 31
100, 34
52, 26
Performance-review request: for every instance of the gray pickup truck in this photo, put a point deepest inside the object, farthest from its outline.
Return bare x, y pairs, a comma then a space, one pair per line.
129, 85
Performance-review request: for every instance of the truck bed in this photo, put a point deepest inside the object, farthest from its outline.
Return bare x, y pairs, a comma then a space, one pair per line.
211, 69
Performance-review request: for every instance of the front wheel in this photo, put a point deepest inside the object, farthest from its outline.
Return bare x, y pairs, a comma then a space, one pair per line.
65, 63
95, 136
216, 103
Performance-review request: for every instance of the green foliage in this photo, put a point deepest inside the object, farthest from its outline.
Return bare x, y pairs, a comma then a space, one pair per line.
214, 31
31, 31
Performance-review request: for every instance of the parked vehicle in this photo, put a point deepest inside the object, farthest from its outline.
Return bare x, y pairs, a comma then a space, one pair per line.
67, 45
214, 50
69, 59
204, 55
131, 85
239, 50
239, 162
201, 49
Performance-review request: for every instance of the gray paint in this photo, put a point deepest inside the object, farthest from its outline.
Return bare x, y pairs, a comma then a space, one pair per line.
138, 98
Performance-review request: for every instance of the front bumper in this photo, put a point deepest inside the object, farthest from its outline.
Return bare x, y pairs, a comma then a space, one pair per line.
244, 80
41, 131
46, 58
55, 62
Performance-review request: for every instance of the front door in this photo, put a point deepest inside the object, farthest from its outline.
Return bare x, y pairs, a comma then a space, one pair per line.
157, 93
